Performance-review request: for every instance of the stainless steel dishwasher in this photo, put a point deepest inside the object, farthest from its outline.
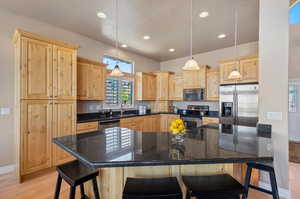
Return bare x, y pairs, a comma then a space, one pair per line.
109, 124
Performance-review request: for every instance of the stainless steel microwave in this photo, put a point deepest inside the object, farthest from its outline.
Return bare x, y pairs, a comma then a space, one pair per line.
195, 94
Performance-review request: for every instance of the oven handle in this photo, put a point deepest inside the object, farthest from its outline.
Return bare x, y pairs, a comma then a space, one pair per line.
109, 122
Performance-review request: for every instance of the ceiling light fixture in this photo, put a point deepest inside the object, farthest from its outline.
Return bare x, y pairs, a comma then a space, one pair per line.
221, 36
147, 37
124, 46
235, 74
116, 72
204, 14
172, 50
191, 64
101, 15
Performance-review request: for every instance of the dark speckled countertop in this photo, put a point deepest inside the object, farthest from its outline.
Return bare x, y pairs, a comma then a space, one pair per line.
119, 147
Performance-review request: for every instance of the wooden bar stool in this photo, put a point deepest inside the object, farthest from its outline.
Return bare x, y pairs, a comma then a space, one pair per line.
150, 188
263, 167
75, 173
220, 186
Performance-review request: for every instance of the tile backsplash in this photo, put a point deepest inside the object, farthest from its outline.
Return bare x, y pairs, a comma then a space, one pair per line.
213, 106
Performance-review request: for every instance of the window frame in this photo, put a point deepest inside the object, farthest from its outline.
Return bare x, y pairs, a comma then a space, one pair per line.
118, 106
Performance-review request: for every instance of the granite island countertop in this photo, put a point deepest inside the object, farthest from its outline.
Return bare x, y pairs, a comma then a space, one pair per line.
211, 144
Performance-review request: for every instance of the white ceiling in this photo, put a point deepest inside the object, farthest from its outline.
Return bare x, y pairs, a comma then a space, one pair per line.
166, 21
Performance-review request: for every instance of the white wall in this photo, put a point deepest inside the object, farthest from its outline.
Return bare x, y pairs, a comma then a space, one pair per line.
211, 58
294, 118
89, 49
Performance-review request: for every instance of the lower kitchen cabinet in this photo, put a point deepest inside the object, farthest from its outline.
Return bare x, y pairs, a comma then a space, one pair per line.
207, 120
42, 120
87, 127
166, 120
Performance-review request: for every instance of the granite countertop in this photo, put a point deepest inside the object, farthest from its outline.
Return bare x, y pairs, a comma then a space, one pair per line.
93, 117
210, 144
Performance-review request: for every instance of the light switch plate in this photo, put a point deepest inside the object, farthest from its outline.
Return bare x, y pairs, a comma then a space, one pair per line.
274, 116
4, 111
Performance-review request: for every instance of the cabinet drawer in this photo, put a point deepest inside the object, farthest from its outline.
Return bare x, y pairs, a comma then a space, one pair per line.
207, 120
87, 127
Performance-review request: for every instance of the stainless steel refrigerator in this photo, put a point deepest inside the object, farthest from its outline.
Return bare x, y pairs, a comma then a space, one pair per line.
239, 104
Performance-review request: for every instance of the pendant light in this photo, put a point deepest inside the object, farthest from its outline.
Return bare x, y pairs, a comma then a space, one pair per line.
116, 72
235, 74
191, 64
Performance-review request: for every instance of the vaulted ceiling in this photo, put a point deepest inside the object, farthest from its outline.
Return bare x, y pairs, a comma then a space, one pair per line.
165, 21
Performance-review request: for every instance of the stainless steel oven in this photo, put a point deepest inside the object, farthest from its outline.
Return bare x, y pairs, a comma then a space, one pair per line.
196, 94
191, 122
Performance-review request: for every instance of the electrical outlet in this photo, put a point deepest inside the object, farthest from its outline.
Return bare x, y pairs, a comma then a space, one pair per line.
4, 111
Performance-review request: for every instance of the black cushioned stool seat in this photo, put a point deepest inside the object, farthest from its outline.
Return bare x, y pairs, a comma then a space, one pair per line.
75, 173
152, 188
221, 186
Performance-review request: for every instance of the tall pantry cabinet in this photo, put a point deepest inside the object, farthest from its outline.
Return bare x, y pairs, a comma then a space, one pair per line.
46, 91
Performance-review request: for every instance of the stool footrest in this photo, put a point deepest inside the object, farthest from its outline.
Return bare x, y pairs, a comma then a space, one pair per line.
260, 189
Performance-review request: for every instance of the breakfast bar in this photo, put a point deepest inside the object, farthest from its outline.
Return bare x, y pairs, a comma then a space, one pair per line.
119, 153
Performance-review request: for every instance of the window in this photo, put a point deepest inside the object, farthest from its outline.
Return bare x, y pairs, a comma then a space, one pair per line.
119, 91
293, 98
294, 14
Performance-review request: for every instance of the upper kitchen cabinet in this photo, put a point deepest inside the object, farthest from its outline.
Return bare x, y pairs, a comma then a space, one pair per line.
162, 85
47, 67
247, 66
195, 78
176, 87
213, 81
145, 86
91, 77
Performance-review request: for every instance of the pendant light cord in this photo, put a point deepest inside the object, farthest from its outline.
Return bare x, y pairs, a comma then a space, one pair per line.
191, 26
236, 35
116, 27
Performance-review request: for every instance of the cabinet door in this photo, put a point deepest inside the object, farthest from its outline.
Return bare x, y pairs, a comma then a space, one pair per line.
225, 70
36, 124
162, 86
36, 69
176, 87
82, 81
152, 87
213, 81
195, 78
64, 123
64, 73
249, 70
96, 88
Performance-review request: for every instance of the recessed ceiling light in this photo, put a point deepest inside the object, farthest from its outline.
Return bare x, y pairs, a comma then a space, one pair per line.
172, 50
146, 37
124, 46
204, 14
101, 15
221, 36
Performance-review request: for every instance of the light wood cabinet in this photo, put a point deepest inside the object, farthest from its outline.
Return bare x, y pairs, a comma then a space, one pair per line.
145, 86
213, 82
36, 134
162, 85
195, 78
64, 123
36, 69
176, 87
247, 66
207, 120
87, 127
166, 120
91, 80
64, 73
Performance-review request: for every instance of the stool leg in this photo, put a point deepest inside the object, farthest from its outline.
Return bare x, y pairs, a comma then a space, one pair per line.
274, 185
72, 193
247, 182
95, 187
58, 185
82, 190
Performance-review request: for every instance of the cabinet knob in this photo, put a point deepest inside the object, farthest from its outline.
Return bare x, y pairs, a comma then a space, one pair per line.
28, 132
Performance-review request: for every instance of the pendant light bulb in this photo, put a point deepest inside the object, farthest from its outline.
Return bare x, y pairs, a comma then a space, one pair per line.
191, 64
116, 72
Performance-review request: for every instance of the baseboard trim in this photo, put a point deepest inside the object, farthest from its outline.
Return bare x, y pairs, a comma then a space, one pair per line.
284, 193
7, 169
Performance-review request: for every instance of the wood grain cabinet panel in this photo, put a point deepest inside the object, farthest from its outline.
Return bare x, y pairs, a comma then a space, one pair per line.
225, 70
207, 120
64, 73
36, 133
145, 86
213, 82
64, 123
162, 86
249, 70
195, 78
176, 87
36, 69
87, 127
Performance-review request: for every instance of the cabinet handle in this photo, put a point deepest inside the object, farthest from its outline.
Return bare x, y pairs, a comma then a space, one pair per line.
28, 132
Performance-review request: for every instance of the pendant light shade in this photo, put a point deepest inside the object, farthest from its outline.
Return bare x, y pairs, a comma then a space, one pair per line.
191, 64
116, 72
235, 74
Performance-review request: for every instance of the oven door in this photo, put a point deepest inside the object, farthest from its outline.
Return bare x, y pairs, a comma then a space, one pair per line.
191, 123
193, 94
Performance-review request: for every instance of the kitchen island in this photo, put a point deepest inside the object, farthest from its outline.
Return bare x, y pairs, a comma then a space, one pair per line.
120, 153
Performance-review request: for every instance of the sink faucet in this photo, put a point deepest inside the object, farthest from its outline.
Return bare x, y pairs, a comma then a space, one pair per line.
121, 109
